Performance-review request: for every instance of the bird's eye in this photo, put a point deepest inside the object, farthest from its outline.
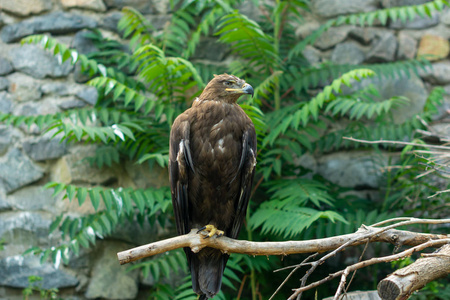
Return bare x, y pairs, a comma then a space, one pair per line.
228, 83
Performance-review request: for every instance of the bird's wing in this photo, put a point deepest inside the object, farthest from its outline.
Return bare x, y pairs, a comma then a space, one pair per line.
247, 171
179, 161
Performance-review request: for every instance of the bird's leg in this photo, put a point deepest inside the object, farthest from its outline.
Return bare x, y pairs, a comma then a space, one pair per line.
212, 230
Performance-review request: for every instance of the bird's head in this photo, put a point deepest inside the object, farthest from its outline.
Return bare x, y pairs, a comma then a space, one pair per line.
227, 88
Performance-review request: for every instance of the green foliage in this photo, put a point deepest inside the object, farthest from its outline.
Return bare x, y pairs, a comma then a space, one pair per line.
163, 265
33, 286
143, 86
435, 290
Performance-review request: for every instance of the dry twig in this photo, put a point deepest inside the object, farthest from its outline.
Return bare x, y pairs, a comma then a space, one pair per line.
335, 244
196, 242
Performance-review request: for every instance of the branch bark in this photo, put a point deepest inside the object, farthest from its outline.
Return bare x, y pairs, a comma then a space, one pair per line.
196, 242
400, 284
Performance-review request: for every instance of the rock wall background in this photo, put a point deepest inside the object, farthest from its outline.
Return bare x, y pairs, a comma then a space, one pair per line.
33, 82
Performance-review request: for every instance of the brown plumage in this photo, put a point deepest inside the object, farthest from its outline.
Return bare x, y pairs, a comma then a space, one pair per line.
211, 165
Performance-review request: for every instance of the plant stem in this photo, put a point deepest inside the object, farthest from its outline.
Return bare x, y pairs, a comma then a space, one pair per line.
252, 272
277, 36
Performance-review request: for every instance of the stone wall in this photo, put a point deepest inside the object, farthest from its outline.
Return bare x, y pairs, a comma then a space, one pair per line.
33, 82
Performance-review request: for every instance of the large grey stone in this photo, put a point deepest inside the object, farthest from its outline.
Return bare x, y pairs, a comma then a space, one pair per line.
5, 66
347, 53
43, 107
73, 167
38, 63
16, 170
332, 37
5, 138
44, 148
82, 43
5, 102
384, 48
438, 74
145, 7
55, 23
15, 224
411, 88
17, 269
417, 23
395, 3
70, 103
134, 233
25, 8
4, 83
307, 27
96, 5
359, 295
108, 279
89, 95
144, 178
445, 17
364, 35
407, 46
33, 198
4, 205
358, 169
159, 21
111, 20
312, 55
24, 88
332, 8
61, 88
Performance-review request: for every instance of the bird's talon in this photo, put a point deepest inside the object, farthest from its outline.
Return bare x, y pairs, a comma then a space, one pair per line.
201, 229
211, 231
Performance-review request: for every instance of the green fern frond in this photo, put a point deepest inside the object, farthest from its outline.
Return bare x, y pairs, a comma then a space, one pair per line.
266, 87
179, 30
257, 117
96, 134
117, 90
77, 232
104, 156
402, 13
65, 53
299, 192
248, 40
163, 265
288, 199
173, 72
288, 221
136, 27
357, 107
300, 114
162, 158
207, 22
184, 291
42, 121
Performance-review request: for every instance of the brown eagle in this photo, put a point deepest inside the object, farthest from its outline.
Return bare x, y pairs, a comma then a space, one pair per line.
211, 165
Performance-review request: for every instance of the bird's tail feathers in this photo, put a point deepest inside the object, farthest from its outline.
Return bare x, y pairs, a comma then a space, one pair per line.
207, 268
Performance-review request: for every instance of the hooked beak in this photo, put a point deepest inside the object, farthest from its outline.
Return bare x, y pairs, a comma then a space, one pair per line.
245, 89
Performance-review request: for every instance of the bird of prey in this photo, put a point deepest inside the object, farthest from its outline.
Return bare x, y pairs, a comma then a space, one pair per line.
211, 165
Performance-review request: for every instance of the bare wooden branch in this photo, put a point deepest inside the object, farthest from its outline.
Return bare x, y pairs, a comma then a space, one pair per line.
369, 262
401, 283
396, 143
196, 242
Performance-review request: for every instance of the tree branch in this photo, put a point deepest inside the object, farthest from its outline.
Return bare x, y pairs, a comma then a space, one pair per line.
376, 234
401, 283
396, 143
366, 263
